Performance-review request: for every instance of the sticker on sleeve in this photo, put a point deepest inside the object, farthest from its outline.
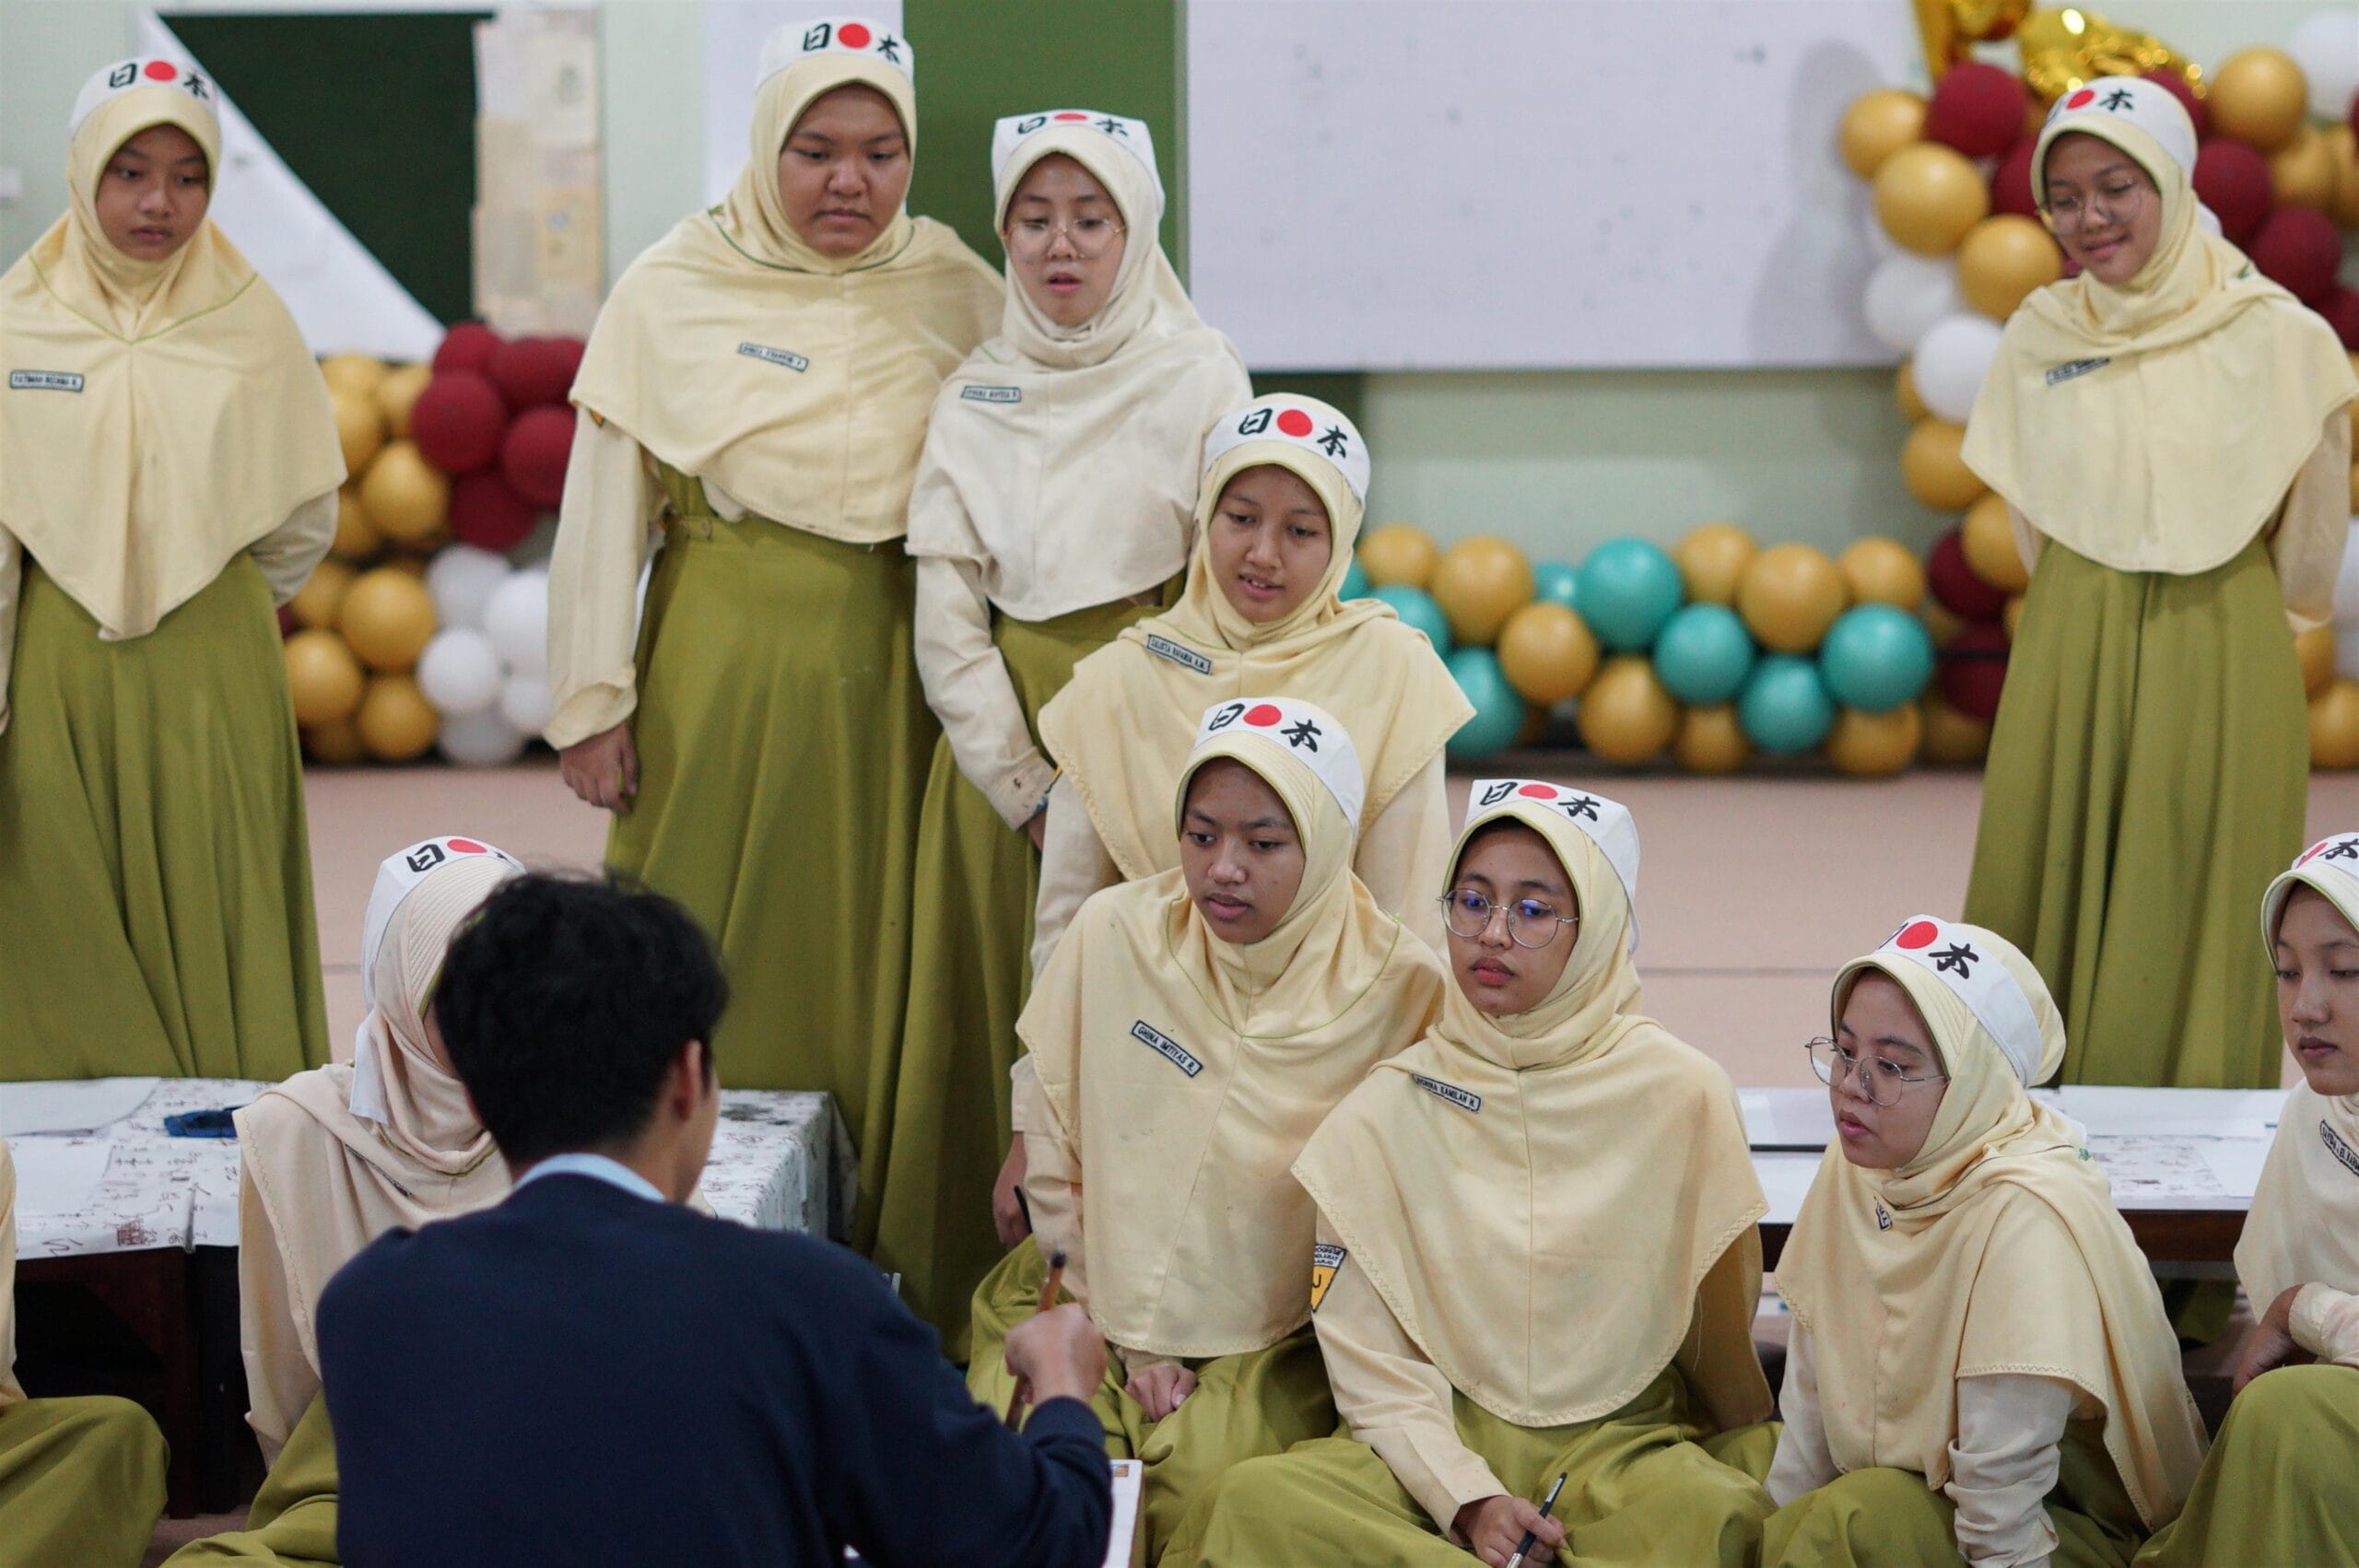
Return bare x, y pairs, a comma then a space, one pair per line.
1325, 1259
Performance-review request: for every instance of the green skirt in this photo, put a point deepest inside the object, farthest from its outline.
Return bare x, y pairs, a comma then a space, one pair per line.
1243, 1407
293, 1518
1890, 1519
1643, 1486
81, 1482
2277, 1485
2148, 777
155, 872
781, 742
969, 971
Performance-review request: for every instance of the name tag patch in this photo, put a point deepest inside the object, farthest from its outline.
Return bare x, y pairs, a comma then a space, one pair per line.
1450, 1092
44, 381
2063, 373
1168, 1048
769, 356
1325, 1259
2335, 1146
1164, 648
1883, 1220
992, 394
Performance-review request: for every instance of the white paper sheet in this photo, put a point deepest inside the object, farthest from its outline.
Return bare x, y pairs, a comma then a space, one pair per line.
57, 1175
82, 1104
2113, 1110
1787, 1118
1785, 1182
1128, 1476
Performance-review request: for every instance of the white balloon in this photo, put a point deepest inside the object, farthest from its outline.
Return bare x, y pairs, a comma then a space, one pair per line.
518, 619
480, 739
2346, 581
1908, 293
1950, 362
524, 703
462, 578
459, 672
2326, 47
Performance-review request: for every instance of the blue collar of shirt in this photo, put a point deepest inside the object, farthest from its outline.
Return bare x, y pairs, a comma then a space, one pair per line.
599, 1168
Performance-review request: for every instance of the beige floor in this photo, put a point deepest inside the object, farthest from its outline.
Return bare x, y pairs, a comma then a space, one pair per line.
1754, 889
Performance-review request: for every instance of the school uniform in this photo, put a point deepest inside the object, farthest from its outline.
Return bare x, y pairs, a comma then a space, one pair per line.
168, 467
1536, 1255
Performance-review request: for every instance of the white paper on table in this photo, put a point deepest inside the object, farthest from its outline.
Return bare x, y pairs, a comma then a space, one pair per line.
1128, 1476
2116, 1111
1785, 1181
82, 1104
58, 1175
1787, 1118
2237, 1162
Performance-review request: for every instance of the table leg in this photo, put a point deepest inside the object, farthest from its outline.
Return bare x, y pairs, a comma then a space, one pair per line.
220, 1420
148, 1291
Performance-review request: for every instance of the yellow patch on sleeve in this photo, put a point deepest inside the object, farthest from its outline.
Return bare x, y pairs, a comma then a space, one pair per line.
1325, 1259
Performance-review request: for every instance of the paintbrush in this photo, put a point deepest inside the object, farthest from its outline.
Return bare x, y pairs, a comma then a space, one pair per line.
1049, 1288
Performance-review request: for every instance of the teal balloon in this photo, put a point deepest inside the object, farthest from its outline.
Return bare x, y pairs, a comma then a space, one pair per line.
1498, 709
1784, 707
1556, 583
1704, 654
1875, 657
1628, 588
1355, 585
1416, 607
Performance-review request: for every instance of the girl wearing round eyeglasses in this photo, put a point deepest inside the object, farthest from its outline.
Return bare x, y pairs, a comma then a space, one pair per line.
1053, 509
2169, 430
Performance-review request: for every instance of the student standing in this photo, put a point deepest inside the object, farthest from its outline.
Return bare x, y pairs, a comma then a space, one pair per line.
168, 472
2168, 429
758, 383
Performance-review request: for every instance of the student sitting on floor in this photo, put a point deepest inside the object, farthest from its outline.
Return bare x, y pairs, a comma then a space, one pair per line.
1190, 1031
1980, 1361
2276, 1487
1536, 1253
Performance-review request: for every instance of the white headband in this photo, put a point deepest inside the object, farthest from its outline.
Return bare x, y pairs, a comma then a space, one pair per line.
1280, 418
2338, 854
1131, 136
396, 879
140, 71
1979, 979
1608, 823
835, 35
1303, 730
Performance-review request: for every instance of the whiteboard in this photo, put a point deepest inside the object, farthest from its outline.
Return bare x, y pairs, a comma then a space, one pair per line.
1527, 184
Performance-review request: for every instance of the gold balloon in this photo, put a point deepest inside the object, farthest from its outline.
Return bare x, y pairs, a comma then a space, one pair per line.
1878, 124
1942, 623
359, 428
2334, 725
336, 742
2068, 46
1882, 571
1479, 582
1949, 29
356, 538
1953, 739
2011, 614
1988, 538
1928, 195
388, 618
1875, 745
1547, 653
406, 497
2315, 650
1712, 559
1790, 595
355, 373
2259, 96
1711, 741
2002, 259
398, 392
1626, 716
396, 722
316, 601
1934, 473
322, 677
1904, 393
1398, 555
2302, 171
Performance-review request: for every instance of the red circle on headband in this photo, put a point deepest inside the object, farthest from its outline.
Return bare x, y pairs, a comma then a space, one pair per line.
2081, 99
1542, 792
1264, 716
160, 71
1069, 114
468, 846
1295, 423
852, 35
1920, 933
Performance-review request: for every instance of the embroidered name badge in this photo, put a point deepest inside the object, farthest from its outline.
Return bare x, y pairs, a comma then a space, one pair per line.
1164, 648
2335, 1146
1450, 1092
1325, 1259
2066, 372
773, 356
1884, 1220
47, 380
992, 394
1168, 1048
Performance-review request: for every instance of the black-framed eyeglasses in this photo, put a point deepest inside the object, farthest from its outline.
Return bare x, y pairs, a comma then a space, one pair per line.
1532, 922
1881, 1079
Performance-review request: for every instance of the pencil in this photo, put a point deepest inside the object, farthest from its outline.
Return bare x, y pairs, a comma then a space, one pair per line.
1530, 1537
1049, 1288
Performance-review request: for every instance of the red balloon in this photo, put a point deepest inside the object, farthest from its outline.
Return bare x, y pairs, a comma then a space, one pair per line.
2195, 107
2233, 180
287, 624
489, 515
467, 346
2010, 182
1953, 582
2341, 313
1973, 669
2299, 248
534, 371
1976, 109
457, 422
534, 455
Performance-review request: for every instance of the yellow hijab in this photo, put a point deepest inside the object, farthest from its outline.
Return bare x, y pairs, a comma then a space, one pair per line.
1183, 1071
1538, 1198
2305, 1222
2157, 427
1114, 729
1895, 1275
1061, 462
160, 416
798, 383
